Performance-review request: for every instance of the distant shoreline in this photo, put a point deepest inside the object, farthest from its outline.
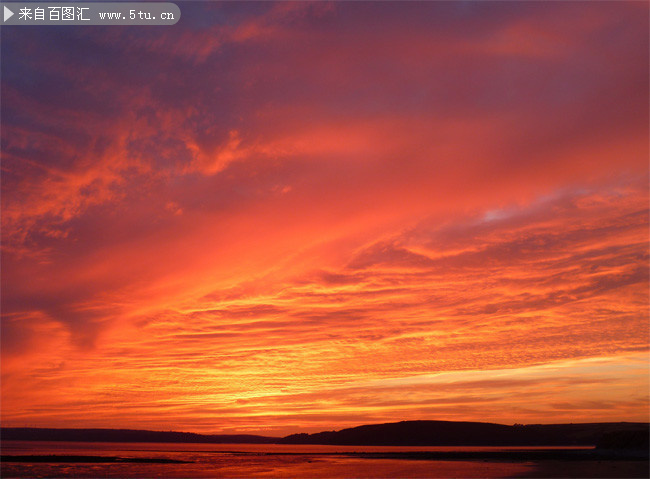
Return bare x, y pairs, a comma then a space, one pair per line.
621, 435
502, 455
65, 459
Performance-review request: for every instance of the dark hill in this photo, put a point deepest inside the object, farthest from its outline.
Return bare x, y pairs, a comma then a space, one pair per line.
405, 433
447, 433
125, 435
625, 440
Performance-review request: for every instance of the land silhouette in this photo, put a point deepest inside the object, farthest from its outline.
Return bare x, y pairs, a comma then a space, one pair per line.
603, 449
620, 435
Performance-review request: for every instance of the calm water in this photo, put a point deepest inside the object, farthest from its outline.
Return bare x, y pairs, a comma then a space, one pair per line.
252, 460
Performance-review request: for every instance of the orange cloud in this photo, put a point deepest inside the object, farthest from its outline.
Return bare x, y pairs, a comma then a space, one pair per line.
302, 214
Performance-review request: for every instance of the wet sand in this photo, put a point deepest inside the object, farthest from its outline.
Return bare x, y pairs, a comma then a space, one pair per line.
618, 469
517, 463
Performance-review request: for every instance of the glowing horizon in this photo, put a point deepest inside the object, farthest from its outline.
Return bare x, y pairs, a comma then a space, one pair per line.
293, 217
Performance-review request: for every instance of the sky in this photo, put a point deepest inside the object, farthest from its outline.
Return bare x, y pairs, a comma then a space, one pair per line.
292, 217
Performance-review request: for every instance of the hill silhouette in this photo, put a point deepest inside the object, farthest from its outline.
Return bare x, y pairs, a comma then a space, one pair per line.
127, 435
448, 433
405, 433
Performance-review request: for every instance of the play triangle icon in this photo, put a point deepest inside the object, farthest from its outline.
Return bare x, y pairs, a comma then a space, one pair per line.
7, 13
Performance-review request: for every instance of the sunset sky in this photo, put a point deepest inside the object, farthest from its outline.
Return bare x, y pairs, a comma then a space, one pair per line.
288, 217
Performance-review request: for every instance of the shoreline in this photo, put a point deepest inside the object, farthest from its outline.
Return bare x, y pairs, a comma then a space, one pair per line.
523, 455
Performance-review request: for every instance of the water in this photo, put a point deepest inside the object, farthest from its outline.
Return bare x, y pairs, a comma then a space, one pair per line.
253, 460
